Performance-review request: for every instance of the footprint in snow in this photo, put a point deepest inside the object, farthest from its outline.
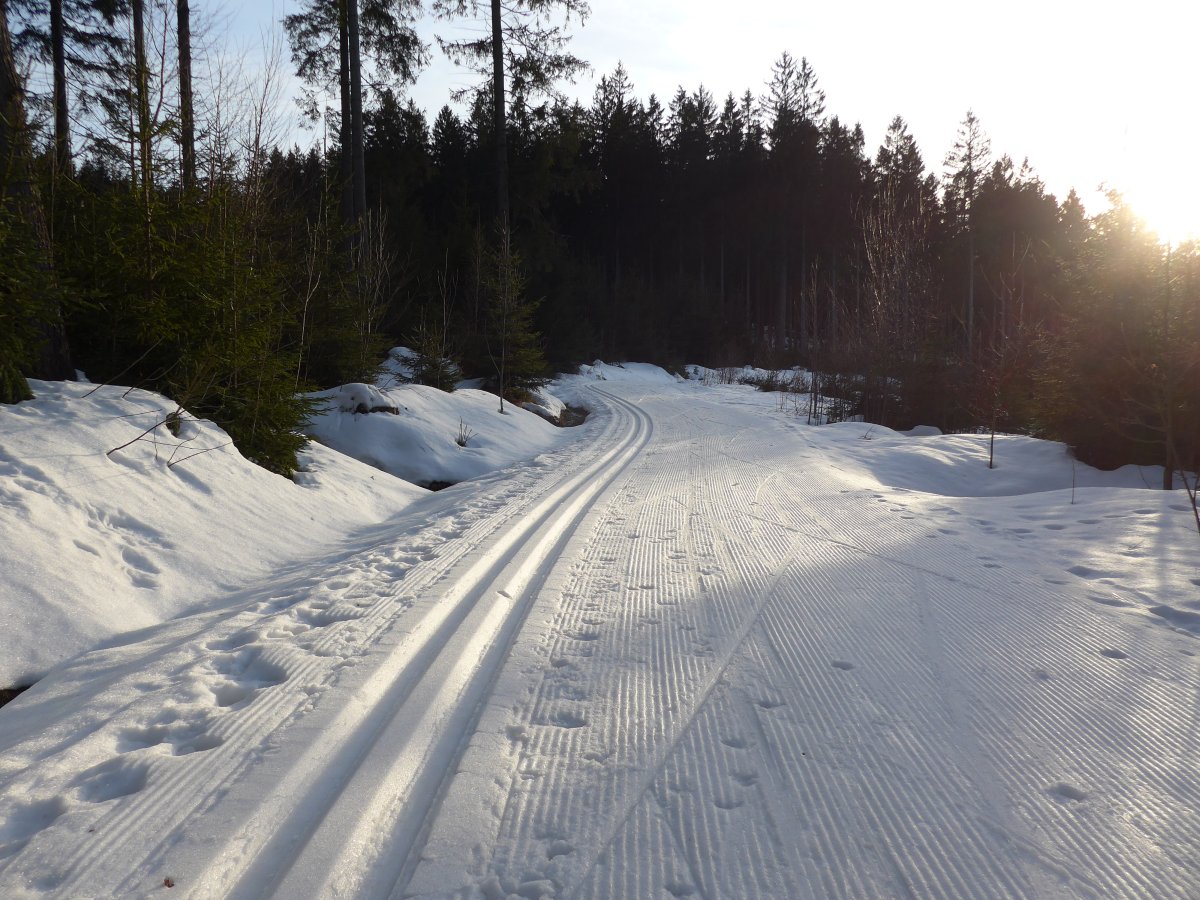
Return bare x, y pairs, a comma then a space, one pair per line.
680, 889
566, 719
179, 740
1182, 618
1087, 572
1109, 601
1066, 791
110, 780
22, 821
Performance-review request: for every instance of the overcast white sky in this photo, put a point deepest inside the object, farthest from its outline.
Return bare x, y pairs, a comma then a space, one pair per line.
1091, 92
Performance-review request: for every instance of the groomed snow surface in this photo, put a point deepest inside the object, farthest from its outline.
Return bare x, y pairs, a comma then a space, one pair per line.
692, 648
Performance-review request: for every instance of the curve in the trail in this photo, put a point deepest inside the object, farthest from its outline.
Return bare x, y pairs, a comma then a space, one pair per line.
286, 719
370, 809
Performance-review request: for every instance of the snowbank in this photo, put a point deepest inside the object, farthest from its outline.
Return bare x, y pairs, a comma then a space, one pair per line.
956, 465
97, 543
437, 438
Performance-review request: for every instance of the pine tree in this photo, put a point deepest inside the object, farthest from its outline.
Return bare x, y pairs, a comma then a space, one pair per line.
966, 164
328, 41
525, 49
513, 345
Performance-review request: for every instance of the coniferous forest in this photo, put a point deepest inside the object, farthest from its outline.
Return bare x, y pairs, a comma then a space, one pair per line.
159, 228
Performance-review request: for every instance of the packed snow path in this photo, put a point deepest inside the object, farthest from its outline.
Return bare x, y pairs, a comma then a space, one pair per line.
688, 655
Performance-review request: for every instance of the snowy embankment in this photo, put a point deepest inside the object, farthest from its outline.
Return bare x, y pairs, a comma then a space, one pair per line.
427, 436
111, 523
698, 649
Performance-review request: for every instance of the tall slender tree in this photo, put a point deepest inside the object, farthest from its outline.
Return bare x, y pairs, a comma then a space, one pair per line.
524, 51
187, 114
966, 164
342, 46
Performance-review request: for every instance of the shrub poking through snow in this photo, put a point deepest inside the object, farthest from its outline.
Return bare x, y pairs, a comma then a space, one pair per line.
464, 434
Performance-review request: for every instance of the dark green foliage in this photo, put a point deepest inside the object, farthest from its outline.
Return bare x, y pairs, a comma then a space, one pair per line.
28, 298
200, 315
513, 345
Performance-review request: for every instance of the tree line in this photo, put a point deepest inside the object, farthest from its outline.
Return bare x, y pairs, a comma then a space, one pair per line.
155, 229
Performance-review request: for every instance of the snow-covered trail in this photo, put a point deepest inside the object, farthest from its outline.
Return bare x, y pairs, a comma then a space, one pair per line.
695, 653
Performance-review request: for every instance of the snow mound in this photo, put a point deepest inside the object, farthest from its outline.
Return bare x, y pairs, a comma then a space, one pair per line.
956, 465
644, 372
100, 540
438, 438
359, 399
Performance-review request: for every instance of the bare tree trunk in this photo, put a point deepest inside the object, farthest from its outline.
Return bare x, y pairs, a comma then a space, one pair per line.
499, 118
1168, 479
145, 163
970, 291
358, 159
187, 117
62, 120
142, 87
346, 127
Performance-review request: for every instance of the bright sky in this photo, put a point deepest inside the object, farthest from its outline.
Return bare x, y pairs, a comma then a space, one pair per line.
1091, 92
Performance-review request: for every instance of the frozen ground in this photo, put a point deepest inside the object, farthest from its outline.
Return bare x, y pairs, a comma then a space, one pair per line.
699, 650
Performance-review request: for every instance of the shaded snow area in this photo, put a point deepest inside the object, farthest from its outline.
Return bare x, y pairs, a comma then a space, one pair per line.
694, 649
427, 436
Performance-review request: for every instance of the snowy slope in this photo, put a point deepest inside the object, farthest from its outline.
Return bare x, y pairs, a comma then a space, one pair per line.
97, 544
699, 650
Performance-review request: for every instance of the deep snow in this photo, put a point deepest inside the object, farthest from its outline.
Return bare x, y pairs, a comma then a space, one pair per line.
698, 648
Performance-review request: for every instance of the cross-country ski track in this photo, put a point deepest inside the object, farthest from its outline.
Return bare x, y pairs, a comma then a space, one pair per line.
698, 651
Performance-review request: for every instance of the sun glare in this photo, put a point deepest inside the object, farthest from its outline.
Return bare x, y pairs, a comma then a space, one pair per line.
1172, 211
